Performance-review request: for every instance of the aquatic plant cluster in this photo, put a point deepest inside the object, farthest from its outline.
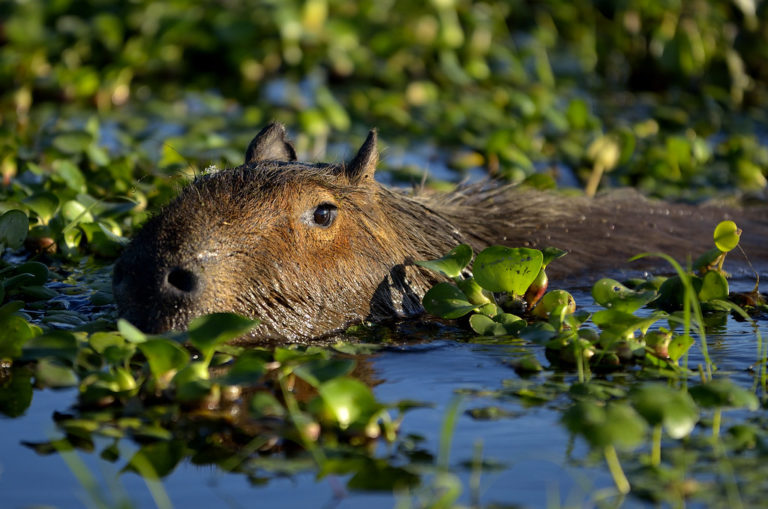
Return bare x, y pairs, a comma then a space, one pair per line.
509, 283
107, 108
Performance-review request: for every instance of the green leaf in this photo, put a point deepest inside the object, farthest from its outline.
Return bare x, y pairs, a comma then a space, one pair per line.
551, 254
678, 346
616, 424
451, 264
611, 294
503, 269
318, 371
447, 301
15, 392
44, 204
660, 404
58, 344
51, 373
350, 401
500, 325
15, 332
205, 332
723, 393
713, 286
70, 175
247, 369
157, 460
264, 404
14, 225
72, 142
727, 236
129, 332
164, 356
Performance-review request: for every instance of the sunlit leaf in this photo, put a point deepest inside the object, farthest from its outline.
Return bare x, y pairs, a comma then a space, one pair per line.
611, 294
727, 236
451, 264
503, 269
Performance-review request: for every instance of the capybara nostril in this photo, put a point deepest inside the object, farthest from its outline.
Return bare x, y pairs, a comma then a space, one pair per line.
182, 280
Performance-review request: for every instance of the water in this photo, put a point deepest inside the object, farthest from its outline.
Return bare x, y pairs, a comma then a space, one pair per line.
531, 450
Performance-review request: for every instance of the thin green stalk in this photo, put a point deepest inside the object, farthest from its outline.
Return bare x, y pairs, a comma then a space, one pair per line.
296, 417
477, 470
691, 305
716, 422
446, 434
614, 466
656, 446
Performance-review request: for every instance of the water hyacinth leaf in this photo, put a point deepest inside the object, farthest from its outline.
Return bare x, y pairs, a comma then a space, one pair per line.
727, 236
503, 269
723, 393
549, 254
15, 392
70, 174
611, 294
707, 260
50, 373
679, 345
350, 401
473, 291
74, 213
156, 460
205, 332
164, 356
558, 301
129, 332
622, 323
247, 369
451, 264
486, 326
15, 332
38, 271
447, 301
45, 205
72, 142
100, 341
662, 405
14, 225
264, 404
318, 371
378, 475
56, 343
192, 382
713, 286
615, 424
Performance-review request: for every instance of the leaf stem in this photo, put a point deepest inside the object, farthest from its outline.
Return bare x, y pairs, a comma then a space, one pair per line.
614, 466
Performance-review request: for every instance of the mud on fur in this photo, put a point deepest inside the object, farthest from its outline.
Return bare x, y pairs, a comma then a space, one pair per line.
313, 248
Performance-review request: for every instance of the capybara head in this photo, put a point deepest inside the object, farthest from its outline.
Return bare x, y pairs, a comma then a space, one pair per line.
306, 248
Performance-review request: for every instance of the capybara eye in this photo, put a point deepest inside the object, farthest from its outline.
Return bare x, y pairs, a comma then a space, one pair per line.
324, 214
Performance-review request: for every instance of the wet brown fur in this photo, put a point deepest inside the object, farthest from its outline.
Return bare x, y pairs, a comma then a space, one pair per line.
246, 237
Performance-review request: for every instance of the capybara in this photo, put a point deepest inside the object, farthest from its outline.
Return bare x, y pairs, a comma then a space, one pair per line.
313, 248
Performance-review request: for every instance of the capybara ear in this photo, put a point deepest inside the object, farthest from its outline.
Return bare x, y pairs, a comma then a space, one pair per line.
270, 145
363, 166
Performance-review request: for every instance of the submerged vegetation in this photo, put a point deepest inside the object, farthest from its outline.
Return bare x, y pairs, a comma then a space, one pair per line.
107, 108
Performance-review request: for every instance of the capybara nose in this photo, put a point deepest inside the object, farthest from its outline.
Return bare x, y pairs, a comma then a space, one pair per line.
181, 282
